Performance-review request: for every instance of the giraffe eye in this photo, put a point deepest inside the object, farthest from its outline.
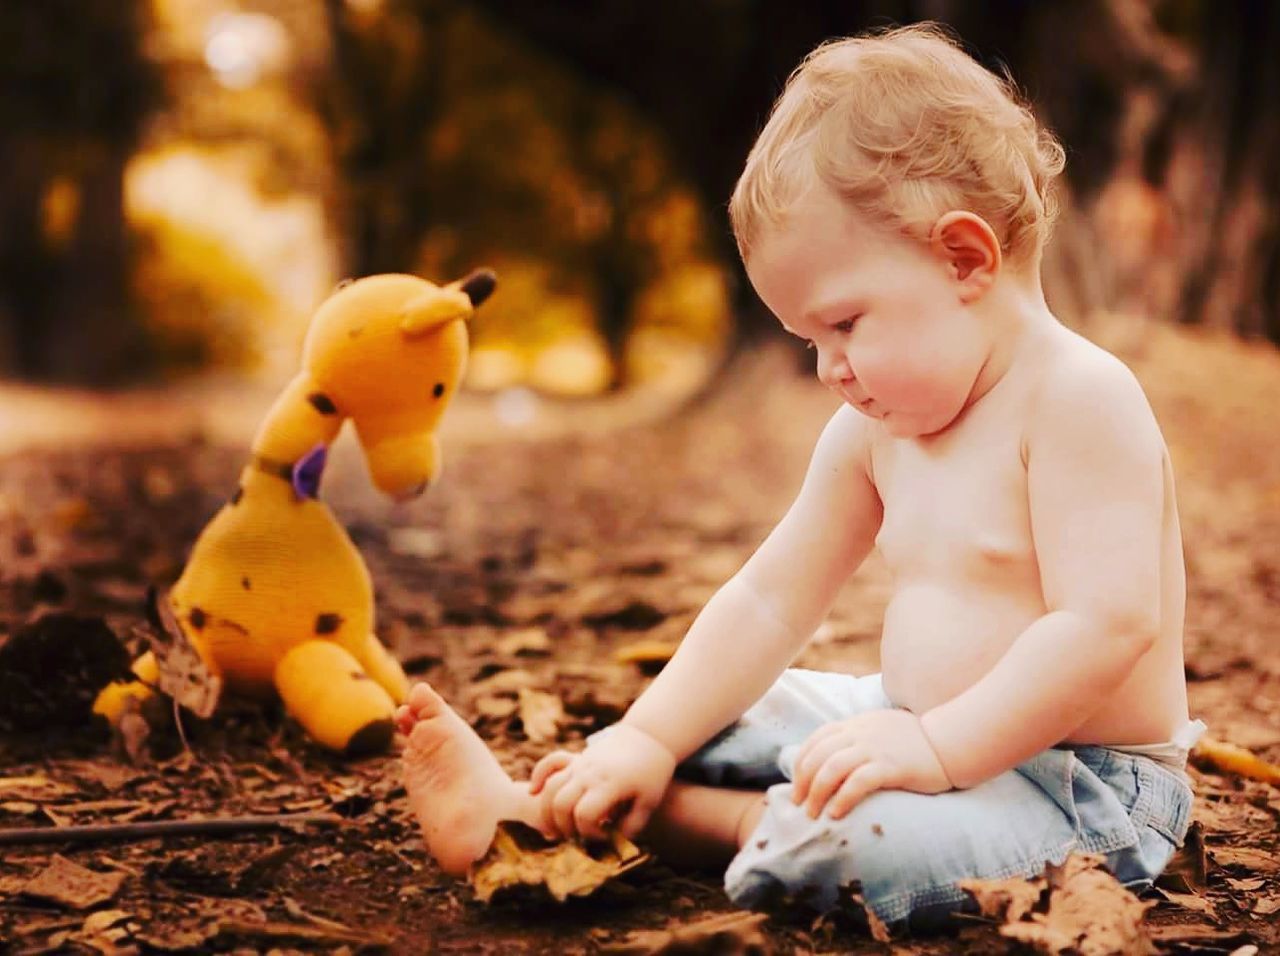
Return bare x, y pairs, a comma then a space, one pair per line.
438, 390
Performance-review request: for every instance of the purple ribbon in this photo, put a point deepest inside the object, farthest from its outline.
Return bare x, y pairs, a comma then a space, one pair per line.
308, 471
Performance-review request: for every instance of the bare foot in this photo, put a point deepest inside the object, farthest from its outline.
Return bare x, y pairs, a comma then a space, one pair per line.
457, 789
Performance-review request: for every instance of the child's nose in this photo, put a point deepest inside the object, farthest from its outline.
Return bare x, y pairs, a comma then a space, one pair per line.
833, 368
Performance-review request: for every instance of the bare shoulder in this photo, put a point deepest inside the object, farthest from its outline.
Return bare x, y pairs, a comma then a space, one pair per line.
846, 442
1087, 394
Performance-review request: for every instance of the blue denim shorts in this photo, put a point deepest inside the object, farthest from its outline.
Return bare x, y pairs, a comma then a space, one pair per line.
908, 851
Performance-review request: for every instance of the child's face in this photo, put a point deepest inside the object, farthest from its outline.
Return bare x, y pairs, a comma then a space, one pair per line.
884, 313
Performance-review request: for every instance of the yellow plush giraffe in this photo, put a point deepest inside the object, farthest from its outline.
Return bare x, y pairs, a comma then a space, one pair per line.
274, 594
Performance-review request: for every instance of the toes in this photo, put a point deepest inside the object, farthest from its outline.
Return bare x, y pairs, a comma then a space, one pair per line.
404, 719
424, 702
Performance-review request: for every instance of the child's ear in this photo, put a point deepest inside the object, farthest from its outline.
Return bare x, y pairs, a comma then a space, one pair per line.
970, 249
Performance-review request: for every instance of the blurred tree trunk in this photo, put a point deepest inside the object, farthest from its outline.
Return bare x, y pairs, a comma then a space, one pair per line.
1119, 92
1225, 161
704, 73
77, 91
379, 100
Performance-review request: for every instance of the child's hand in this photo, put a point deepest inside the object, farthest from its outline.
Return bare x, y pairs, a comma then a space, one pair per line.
846, 761
583, 793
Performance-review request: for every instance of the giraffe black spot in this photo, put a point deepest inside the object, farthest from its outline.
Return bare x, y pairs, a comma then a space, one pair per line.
244, 583
198, 618
235, 499
322, 403
438, 390
328, 623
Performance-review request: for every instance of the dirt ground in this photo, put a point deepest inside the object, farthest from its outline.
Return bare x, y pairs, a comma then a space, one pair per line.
529, 566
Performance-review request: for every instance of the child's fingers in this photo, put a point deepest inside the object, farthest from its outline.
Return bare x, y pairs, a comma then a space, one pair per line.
563, 805
404, 719
810, 742
636, 819
829, 778
859, 785
555, 761
551, 788
591, 815
806, 766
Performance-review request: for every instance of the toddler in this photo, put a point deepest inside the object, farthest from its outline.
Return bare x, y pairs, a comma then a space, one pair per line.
1032, 699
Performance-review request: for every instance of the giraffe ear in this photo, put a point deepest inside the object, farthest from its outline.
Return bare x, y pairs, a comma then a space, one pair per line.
433, 309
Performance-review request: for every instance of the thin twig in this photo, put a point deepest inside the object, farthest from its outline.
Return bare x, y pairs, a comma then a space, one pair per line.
177, 720
216, 826
314, 934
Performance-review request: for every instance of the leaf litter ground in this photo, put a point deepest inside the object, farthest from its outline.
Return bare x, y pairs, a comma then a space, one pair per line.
513, 587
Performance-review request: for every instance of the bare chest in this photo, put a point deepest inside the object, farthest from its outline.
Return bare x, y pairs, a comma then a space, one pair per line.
956, 510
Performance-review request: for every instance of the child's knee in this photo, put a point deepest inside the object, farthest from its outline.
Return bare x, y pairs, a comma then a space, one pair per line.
818, 861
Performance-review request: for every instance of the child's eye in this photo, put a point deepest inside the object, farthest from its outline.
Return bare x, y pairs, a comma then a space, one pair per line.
845, 325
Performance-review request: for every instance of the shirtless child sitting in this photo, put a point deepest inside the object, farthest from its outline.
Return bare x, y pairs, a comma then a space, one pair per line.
1032, 699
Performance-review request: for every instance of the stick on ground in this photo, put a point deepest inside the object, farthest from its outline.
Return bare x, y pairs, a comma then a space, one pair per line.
215, 826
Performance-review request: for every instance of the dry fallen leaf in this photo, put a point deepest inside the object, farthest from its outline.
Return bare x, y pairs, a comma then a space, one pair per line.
1187, 870
184, 676
1258, 861
725, 933
36, 787
1232, 759
1267, 905
541, 714
528, 640
72, 885
1190, 901
520, 857
104, 930
494, 706
1085, 910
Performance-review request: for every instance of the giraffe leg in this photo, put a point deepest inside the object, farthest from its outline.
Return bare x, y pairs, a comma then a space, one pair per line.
338, 704
113, 699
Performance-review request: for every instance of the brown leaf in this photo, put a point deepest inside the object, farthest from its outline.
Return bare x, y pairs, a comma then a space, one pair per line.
493, 706
520, 857
1085, 911
72, 885
1246, 886
541, 714
184, 675
1009, 900
737, 933
1190, 901
503, 682
1258, 861
529, 641
103, 932
1267, 905
37, 787
1187, 870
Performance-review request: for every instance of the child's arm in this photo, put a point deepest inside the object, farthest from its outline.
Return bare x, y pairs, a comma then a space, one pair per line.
739, 644
1096, 468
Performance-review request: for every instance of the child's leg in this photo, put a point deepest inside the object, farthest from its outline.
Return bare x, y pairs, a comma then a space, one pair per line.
702, 826
459, 792
457, 789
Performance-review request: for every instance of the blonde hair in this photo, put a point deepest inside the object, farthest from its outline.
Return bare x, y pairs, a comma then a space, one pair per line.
905, 126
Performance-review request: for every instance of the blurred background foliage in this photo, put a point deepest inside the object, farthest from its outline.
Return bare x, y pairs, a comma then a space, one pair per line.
186, 179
